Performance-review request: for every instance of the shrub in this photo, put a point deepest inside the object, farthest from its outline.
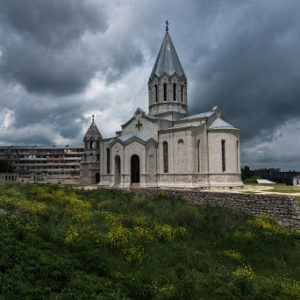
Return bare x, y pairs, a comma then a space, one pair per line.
185, 215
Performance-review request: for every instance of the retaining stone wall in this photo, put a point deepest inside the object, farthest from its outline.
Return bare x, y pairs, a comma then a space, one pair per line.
283, 207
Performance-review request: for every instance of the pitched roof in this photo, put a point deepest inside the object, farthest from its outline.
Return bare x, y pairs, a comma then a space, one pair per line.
167, 61
93, 131
124, 138
197, 116
219, 123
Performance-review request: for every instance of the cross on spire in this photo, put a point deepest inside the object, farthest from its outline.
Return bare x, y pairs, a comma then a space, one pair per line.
167, 25
93, 117
139, 125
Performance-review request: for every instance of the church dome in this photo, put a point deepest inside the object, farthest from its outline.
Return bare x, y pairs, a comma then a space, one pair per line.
167, 85
167, 61
93, 132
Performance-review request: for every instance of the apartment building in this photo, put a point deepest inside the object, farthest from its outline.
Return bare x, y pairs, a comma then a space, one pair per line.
48, 164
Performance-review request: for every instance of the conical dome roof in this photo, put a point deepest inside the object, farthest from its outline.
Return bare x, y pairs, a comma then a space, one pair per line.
92, 132
167, 60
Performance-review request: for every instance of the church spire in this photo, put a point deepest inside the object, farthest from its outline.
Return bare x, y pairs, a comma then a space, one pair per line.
167, 85
167, 61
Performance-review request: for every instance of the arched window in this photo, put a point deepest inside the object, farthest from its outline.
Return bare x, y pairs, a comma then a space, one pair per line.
174, 91
237, 156
223, 156
92, 144
165, 157
107, 160
198, 155
180, 141
165, 92
181, 93
156, 93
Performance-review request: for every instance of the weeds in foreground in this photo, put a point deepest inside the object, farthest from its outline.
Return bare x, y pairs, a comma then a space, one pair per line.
60, 243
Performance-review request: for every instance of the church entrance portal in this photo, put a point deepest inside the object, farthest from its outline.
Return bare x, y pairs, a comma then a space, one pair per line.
135, 169
117, 169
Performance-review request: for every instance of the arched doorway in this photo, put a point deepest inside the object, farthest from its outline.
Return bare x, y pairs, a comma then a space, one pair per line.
135, 169
97, 177
117, 169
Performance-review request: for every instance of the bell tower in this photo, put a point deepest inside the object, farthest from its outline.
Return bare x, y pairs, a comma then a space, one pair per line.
167, 85
90, 163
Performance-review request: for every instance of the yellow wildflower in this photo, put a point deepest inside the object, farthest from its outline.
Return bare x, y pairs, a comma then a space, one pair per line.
265, 222
244, 271
233, 254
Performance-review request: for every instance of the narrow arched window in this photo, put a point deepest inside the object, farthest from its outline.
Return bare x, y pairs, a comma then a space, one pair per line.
165, 92
223, 156
165, 157
156, 93
174, 91
237, 156
182, 93
198, 155
107, 160
92, 144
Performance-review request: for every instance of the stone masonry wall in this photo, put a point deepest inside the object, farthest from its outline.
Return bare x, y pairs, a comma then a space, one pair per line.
284, 208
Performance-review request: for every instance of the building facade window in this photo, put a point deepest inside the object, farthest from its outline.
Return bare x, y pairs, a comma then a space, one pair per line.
174, 91
156, 93
198, 156
92, 144
181, 93
165, 157
165, 92
237, 156
223, 156
107, 160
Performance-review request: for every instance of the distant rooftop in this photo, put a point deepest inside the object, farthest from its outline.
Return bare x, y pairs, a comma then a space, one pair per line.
219, 123
28, 147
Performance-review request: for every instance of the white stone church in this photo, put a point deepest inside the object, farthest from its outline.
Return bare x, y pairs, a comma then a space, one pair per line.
166, 147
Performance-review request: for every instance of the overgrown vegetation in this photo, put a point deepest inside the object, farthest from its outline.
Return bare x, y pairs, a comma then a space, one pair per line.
61, 243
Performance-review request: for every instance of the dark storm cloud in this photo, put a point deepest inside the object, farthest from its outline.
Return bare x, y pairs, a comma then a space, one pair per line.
44, 49
41, 47
52, 23
61, 61
252, 71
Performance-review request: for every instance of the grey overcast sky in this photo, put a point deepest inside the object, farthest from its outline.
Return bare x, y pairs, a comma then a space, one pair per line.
62, 61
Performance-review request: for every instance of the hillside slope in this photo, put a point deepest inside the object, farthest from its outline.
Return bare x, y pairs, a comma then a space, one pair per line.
62, 243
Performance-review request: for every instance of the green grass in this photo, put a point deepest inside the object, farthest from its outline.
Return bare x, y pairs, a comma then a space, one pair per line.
286, 189
63, 243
